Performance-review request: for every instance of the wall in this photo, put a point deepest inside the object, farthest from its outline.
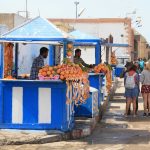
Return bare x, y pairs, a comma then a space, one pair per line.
11, 20
119, 28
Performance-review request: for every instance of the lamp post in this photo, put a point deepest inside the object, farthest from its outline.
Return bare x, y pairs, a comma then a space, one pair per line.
26, 9
76, 3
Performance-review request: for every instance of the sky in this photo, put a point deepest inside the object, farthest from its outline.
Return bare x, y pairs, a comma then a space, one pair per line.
93, 9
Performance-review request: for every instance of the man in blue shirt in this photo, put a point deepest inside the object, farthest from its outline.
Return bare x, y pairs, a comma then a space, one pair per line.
38, 63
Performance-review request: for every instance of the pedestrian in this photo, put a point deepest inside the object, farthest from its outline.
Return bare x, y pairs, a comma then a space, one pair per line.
141, 64
131, 83
138, 72
145, 89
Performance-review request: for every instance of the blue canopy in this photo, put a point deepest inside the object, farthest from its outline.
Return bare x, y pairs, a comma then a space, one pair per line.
83, 37
37, 29
115, 45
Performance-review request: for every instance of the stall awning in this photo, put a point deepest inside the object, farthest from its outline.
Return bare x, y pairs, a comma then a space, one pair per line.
115, 45
37, 29
83, 37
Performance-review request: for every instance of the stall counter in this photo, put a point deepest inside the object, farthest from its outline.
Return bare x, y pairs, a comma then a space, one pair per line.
96, 80
35, 104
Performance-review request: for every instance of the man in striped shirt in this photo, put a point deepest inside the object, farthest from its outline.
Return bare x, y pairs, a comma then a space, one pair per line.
38, 63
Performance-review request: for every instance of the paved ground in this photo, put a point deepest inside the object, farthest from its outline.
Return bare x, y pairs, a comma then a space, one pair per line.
114, 132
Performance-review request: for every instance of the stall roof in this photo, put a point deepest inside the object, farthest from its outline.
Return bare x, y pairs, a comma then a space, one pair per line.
83, 37
115, 45
37, 29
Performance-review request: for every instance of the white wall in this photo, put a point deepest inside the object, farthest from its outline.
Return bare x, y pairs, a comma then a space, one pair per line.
27, 53
87, 54
18, 20
103, 30
3, 29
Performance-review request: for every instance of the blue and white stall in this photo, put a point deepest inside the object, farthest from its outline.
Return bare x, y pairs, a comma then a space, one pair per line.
89, 109
34, 104
118, 69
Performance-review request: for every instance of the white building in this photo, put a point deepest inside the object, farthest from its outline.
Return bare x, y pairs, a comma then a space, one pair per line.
119, 28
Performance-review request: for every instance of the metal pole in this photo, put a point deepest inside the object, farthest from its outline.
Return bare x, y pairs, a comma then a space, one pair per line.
76, 3
26, 9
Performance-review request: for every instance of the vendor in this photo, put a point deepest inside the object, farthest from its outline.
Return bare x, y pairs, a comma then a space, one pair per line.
38, 63
79, 60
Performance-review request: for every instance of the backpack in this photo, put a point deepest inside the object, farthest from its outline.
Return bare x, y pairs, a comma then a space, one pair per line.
130, 81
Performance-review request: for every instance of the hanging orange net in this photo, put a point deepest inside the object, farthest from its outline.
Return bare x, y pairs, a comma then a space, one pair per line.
8, 59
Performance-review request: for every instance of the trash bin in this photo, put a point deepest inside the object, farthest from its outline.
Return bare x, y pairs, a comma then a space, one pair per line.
119, 70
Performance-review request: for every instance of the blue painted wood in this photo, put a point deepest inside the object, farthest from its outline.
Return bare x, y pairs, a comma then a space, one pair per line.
1, 60
64, 48
51, 55
118, 71
1, 103
7, 104
34, 126
30, 104
95, 81
88, 109
97, 53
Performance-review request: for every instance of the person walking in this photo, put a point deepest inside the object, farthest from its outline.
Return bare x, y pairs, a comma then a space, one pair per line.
145, 89
138, 72
141, 64
131, 83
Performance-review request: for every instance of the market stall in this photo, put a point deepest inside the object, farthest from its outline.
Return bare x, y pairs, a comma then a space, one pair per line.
33, 104
95, 79
117, 66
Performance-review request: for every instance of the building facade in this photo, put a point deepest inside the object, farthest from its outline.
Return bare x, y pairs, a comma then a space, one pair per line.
10, 21
141, 46
119, 28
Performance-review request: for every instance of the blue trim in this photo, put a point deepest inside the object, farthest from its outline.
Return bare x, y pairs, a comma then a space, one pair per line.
115, 45
1, 103
7, 104
34, 126
97, 54
2, 60
32, 39
87, 40
64, 48
51, 55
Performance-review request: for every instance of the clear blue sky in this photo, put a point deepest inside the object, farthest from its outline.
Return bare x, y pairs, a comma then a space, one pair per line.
93, 9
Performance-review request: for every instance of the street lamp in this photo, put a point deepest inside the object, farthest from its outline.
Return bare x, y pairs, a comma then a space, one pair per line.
76, 3
26, 9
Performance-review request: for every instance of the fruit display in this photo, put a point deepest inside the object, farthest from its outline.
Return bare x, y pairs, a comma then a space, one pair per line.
9, 78
103, 68
76, 80
113, 59
100, 68
108, 79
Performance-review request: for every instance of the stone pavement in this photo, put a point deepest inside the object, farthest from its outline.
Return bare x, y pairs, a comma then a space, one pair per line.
114, 132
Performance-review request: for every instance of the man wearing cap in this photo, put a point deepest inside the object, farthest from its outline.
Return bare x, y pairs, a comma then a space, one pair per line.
79, 60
